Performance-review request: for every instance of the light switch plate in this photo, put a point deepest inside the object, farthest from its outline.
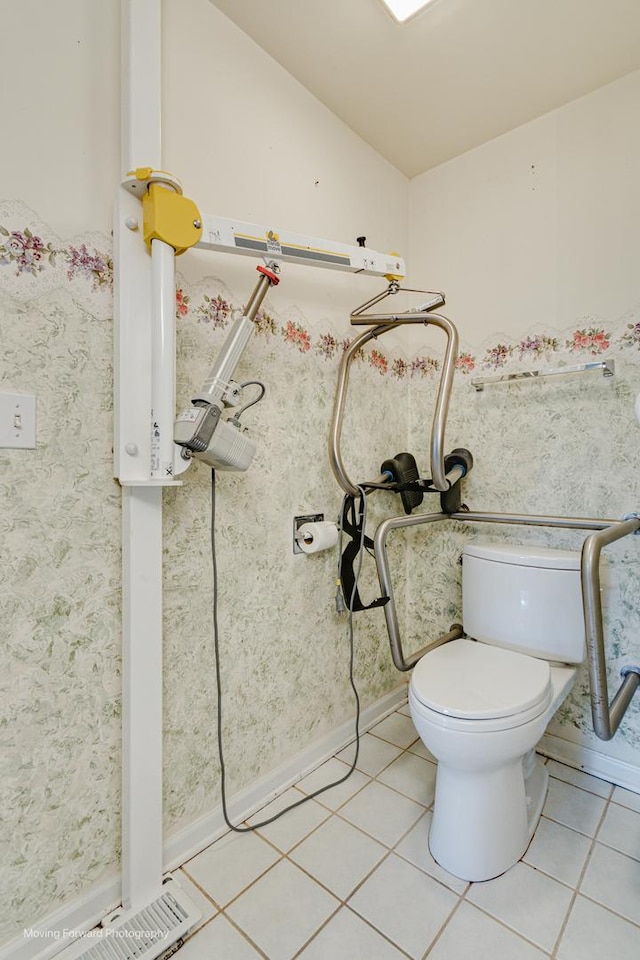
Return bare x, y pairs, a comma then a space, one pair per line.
18, 420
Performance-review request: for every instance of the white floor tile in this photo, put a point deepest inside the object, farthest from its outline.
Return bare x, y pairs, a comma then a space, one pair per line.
415, 847
203, 903
382, 813
405, 710
293, 826
338, 856
530, 903
472, 935
593, 933
373, 756
579, 779
347, 937
614, 881
396, 729
404, 904
218, 939
558, 851
626, 797
225, 868
574, 807
412, 776
333, 770
421, 751
282, 910
620, 829
281, 905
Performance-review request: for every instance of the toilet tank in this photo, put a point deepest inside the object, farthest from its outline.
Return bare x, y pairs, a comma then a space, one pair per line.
527, 599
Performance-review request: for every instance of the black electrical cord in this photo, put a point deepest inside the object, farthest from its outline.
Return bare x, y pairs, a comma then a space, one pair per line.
216, 644
249, 383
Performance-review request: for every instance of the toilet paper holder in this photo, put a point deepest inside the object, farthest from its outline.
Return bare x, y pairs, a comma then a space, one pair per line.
299, 522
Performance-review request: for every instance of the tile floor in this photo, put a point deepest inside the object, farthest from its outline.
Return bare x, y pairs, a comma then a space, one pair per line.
349, 875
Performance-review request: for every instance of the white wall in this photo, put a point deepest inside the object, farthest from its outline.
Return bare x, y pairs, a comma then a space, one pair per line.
537, 227
60, 110
248, 141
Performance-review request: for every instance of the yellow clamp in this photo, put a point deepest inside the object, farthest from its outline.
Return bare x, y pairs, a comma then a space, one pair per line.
170, 217
167, 214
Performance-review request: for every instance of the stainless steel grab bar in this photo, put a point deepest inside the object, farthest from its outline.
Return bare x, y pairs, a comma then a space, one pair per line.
533, 520
385, 322
384, 576
606, 718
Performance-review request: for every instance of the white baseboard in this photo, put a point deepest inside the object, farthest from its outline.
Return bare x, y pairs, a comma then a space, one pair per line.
591, 761
186, 843
87, 910
81, 914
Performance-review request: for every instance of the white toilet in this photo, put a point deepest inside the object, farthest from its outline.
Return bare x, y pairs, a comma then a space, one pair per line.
481, 705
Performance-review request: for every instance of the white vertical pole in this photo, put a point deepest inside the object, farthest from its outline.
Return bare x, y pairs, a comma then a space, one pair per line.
142, 695
141, 64
142, 500
163, 367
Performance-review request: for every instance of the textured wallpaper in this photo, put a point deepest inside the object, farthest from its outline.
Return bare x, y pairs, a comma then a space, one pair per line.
284, 650
563, 446
566, 446
59, 574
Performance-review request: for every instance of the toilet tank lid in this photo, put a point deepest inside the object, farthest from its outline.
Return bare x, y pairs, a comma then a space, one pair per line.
524, 556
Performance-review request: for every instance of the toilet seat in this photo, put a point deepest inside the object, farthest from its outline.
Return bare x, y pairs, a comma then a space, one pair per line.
469, 681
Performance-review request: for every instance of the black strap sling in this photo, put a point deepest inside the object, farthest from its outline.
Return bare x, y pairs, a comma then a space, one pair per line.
352, 520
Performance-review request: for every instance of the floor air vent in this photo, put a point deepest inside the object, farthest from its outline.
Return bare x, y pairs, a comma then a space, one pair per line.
147, 934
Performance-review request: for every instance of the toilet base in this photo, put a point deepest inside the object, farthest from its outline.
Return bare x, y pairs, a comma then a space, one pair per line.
536, 784
483, 821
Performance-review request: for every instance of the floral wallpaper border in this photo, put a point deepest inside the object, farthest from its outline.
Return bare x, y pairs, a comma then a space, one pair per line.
28, 254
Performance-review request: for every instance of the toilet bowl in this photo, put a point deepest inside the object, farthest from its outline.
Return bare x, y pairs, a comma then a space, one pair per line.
480, 704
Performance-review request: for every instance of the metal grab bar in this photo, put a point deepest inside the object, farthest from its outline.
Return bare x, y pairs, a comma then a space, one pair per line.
384, 576
386, 322
533, 520
606, 718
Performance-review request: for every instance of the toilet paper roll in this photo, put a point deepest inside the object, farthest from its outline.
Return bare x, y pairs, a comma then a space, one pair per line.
313, 537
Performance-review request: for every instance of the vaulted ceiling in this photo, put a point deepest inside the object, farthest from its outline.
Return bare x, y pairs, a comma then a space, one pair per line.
455, 76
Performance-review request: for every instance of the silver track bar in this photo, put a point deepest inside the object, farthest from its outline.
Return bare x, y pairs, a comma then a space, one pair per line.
606, 717
259, 240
